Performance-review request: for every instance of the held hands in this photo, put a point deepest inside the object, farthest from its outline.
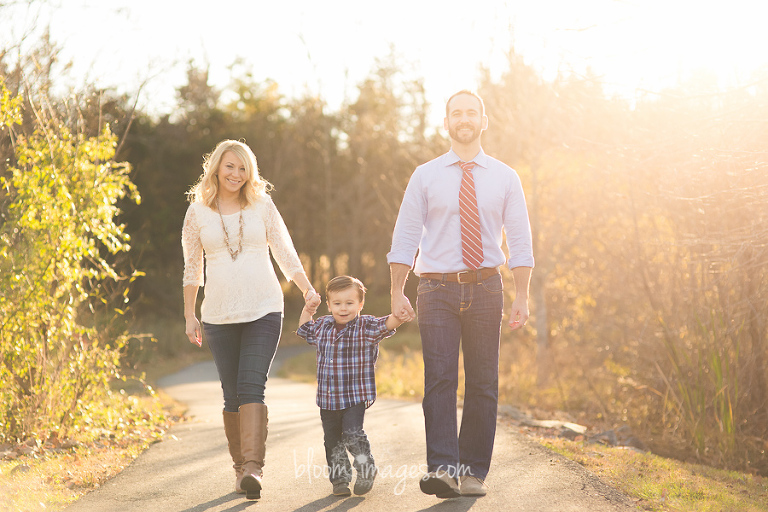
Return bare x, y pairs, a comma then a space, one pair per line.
311, 301
401, 308
194, 332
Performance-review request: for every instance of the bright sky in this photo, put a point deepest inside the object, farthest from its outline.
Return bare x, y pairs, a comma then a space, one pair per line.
329, 46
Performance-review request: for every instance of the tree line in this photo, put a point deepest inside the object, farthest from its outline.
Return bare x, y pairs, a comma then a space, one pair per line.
649, 215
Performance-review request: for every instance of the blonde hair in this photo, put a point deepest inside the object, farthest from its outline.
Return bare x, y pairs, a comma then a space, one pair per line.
207, 187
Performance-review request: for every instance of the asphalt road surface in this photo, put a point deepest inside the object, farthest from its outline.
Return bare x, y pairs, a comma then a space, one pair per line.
190, 469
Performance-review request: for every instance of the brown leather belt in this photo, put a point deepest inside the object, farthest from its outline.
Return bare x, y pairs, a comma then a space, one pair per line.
468, 276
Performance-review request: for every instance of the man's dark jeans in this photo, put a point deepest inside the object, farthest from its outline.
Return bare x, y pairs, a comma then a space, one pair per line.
467, 316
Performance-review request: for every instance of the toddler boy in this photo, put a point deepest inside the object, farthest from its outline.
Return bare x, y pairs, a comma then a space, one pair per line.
347, 348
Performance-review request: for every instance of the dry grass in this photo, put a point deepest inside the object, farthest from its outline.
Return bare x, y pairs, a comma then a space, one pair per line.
50, 480
665, 485
656, 483
54, 474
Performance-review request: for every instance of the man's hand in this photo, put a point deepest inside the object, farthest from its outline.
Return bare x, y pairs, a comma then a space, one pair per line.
518, 316
401, 307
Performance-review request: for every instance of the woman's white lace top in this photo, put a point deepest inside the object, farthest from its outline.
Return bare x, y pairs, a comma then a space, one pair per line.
245, 289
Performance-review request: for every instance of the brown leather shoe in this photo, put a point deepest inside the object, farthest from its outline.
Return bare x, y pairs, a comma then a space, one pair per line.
440, 484
473, 486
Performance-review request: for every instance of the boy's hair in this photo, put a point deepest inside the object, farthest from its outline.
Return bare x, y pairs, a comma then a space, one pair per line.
340, 283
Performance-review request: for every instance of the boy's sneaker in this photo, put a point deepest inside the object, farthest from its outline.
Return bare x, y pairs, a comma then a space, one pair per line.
364, 482
342, 489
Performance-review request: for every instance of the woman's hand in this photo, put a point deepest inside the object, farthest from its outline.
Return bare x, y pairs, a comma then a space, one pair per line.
194, 332
312, 300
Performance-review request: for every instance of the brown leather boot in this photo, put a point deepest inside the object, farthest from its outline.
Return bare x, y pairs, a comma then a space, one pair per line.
253, 443
232, 430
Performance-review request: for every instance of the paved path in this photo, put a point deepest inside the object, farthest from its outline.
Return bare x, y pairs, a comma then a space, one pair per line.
190, 470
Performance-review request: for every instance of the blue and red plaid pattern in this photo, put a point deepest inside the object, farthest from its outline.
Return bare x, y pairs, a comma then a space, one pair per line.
346, 359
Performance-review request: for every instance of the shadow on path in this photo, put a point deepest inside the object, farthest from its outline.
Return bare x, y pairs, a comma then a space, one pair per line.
190, 469
215, 504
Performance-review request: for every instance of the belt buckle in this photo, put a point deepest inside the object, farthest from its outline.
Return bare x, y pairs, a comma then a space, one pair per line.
466, 272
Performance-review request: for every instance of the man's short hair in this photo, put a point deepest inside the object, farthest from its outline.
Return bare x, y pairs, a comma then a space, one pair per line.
471, 93
340, 283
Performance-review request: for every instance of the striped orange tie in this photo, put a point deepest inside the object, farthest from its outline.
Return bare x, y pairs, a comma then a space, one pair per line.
471, 241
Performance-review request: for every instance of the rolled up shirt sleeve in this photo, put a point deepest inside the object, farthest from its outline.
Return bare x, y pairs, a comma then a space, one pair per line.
517, 227
410, 224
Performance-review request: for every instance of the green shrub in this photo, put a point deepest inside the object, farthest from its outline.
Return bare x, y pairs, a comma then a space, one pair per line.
58, 200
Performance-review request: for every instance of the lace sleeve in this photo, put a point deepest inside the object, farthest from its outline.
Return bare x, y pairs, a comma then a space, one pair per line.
280, 242
193, 250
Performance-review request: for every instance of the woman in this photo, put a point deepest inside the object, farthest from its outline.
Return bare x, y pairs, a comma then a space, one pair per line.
233, 221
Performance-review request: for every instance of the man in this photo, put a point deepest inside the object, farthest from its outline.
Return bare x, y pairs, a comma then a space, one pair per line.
460, 298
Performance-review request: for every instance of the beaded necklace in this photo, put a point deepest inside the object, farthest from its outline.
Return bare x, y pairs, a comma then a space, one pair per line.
232, 253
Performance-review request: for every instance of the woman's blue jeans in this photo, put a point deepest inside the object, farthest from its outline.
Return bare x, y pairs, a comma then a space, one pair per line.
467, 316
243, 354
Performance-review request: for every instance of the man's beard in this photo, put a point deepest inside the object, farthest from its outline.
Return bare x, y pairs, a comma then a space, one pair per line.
464, 138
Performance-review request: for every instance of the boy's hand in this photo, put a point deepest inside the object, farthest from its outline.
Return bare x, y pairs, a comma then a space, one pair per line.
403, 318
311, 303
393, 322
312, 300
401, 308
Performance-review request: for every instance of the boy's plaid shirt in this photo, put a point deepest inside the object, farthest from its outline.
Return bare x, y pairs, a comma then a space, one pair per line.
346, 359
